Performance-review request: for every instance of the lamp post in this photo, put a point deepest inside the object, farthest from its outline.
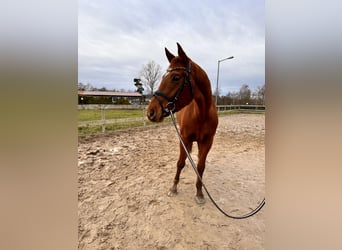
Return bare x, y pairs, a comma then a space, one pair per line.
218, 71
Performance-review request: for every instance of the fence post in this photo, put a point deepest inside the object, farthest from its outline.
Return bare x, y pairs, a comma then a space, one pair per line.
103, 118
144, 112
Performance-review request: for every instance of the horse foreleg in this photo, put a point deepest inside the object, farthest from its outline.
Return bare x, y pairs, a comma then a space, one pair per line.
180, 166
203, 150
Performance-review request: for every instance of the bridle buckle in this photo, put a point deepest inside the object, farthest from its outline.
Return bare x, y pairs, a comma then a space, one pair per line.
170, 106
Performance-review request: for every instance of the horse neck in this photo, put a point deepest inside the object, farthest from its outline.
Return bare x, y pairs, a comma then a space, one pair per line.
203, 94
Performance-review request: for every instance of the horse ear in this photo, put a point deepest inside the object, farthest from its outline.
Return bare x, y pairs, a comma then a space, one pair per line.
169, 55
181, 53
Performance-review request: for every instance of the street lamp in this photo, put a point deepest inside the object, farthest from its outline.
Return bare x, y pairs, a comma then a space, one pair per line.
218, 71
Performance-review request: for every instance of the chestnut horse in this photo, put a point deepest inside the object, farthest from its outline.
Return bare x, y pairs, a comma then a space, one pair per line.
185, 88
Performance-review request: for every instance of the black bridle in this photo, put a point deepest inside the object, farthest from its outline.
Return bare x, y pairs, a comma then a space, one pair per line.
171, 105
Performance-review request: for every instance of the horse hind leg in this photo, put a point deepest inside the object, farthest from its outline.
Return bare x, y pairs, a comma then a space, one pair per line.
180, 166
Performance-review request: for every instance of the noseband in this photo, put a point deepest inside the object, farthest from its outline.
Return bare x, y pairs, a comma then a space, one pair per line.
171, 105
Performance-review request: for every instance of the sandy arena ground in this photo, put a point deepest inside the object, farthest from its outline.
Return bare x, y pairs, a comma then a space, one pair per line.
124, 178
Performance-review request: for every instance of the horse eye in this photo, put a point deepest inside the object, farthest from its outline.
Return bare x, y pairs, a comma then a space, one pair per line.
175, 78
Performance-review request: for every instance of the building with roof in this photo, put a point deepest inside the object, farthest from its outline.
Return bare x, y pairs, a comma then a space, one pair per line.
109, 97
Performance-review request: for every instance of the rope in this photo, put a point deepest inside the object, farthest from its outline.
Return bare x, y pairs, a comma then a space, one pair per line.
254, 211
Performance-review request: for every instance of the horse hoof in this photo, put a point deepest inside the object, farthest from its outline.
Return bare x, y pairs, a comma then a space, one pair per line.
171, 193
199, 200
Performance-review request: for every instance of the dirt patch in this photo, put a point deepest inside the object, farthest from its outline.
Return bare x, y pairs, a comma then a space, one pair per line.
124, 178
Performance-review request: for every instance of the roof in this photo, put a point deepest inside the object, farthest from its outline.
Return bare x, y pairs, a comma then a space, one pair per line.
109, 93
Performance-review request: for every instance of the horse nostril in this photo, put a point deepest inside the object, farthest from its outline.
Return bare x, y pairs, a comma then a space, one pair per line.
152, 113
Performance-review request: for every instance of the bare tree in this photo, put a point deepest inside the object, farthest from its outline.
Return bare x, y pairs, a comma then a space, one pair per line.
261, 94
245, 94
81, 86
150, 75
86, 87
103, 89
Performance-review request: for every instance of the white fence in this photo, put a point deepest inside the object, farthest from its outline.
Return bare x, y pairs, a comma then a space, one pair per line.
142, 107
240, 107
103, 107
110, 106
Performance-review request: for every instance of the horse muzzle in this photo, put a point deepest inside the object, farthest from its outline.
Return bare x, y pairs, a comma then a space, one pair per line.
156, 113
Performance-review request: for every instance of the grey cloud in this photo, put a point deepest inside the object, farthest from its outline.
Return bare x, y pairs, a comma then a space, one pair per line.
116, 39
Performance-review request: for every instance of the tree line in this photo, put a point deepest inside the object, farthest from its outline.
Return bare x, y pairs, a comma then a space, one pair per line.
90, 87
244, 96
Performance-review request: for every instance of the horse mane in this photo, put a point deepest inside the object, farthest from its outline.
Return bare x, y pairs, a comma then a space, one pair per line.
202, 82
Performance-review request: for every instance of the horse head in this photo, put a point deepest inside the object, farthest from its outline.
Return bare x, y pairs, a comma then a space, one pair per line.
176, 88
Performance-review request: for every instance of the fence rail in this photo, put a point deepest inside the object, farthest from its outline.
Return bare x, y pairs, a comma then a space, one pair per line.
110, 106
103, 122
111, 121
240, 107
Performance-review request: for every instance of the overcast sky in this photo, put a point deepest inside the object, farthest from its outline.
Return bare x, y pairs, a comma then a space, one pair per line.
116, 38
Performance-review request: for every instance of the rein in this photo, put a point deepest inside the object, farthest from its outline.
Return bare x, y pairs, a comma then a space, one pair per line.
254, 211
171, 105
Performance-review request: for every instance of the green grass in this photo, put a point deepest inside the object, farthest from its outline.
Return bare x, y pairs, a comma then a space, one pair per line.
92, 115
110, 127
